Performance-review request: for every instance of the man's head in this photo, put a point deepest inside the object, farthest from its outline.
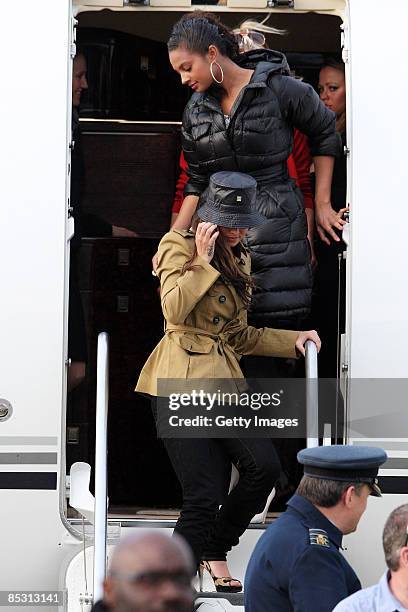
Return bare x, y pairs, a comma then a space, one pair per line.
79, 82
150, 572
395, 541
347, 499
339, 479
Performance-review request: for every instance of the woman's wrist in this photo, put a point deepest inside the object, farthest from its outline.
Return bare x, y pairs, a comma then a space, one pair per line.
322, 202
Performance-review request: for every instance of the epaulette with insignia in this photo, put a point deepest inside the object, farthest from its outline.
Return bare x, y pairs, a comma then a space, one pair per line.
319, 537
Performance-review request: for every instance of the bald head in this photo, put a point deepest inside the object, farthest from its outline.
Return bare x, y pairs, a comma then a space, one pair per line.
140, 550
150, 572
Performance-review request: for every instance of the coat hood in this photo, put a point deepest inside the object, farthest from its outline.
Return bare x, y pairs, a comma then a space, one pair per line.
264, 61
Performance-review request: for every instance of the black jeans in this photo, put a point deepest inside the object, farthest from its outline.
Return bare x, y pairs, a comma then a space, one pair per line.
203, 467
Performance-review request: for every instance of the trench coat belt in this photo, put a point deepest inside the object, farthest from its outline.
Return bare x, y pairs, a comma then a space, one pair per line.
221, 340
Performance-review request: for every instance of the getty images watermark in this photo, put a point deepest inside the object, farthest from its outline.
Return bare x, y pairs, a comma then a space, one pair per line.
208, 400
268, 408
226, 400
230, 408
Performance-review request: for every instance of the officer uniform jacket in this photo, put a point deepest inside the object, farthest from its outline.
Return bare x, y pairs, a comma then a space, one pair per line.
297, 566
258, 141
206, 326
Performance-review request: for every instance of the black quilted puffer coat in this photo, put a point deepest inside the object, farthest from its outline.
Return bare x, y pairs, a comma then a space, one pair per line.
258, 141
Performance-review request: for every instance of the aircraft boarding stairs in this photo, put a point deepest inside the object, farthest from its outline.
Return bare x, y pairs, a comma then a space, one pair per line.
83, 576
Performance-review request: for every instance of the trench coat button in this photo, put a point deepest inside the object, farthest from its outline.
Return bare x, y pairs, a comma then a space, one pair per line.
216, 320
222, 299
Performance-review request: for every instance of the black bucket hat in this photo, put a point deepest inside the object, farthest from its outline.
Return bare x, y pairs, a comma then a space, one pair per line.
229, 201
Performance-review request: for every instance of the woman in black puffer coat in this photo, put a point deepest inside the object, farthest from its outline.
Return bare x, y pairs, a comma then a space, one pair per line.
241, 118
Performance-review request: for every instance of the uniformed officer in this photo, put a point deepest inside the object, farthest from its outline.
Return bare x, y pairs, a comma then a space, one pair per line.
296, 565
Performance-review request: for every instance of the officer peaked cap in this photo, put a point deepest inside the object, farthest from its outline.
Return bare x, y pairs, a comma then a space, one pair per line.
347, 463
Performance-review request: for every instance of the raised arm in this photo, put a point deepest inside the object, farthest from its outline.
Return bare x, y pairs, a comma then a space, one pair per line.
186, 213
180, 292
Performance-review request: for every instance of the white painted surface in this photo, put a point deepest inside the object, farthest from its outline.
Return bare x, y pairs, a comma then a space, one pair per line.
33, 212
378, 317
34, 109
35, 113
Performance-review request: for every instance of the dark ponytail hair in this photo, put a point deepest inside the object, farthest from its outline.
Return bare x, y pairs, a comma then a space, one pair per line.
198, 30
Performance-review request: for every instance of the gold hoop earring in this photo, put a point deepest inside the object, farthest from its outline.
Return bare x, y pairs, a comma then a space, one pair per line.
212, 72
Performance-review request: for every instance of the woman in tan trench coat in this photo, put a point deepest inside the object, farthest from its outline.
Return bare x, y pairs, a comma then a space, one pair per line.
205, 292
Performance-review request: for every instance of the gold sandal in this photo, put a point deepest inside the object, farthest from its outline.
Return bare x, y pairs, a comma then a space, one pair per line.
222, 584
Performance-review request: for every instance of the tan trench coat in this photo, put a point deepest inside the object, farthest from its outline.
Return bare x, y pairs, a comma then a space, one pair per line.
206, 328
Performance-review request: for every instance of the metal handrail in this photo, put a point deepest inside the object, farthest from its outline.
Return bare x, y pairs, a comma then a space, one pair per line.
312, 395
101, 453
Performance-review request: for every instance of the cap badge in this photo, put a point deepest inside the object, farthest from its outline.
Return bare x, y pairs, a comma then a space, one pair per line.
319, 537
239, 198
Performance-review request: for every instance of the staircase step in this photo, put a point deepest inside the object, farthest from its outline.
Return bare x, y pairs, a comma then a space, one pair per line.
235, 599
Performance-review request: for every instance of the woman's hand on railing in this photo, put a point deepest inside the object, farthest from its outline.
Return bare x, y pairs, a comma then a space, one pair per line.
303, 337
327, 219
206, 235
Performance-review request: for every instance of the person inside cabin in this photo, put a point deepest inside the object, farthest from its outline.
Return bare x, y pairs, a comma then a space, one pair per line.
391, 592
205, 288
148, 572
251, 35
296, 564
329, 299
85, 225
